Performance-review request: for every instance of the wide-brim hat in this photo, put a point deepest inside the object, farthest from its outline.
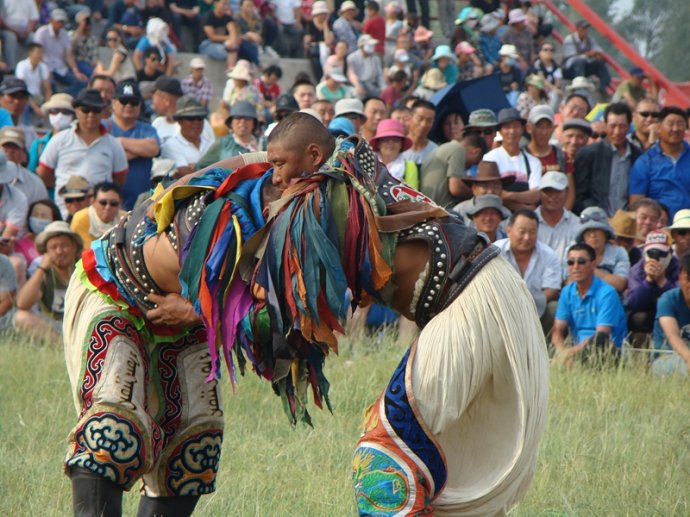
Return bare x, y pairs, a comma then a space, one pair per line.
337, 75
366, 39
433, 79
488, 171
580, 83
390, 128
464, 48
488, 201
507, 115
189, 107
242, 109
347, 5
58, 101
55, 229
349, 107
508, 50
483, 117
516, 16
624, 225
319, 7
594, 218
76, 186
421, 33
197, 63
443, 51
240, 73
681, 220
89, 98
489, 23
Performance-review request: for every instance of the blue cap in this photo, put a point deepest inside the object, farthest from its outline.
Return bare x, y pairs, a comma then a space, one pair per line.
341, 126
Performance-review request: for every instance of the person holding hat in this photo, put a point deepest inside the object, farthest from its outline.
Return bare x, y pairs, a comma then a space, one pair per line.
58, 53
486, 180
612, 264
166, 92
196, 84
364, 68
589, 310
190, 143
389, 143
514, 161
242, 122
656, 273
12, 143
346, 28
83, 149
47, 286
583, 57
558, 226
486, 213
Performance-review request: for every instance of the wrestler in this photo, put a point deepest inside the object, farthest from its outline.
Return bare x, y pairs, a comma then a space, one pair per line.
136, 327
456, 430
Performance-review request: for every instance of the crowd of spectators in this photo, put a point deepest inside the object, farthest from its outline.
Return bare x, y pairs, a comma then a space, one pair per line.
591, 206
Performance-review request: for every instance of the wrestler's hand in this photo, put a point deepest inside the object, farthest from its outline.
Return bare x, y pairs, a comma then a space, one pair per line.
172, 310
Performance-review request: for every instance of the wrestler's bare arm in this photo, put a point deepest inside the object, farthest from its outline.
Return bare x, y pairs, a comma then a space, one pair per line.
410, 260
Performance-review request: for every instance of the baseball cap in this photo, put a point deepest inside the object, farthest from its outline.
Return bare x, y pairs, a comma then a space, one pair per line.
168, 85
127, 89
13, 85
541, 112
657, 239
555, 180
12, 135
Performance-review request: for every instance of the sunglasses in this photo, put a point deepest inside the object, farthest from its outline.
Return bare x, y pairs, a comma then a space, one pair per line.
645, 114
579, 261
132, 101
597, 136
71, 200
106, 202
88, 109
681, 232
656, 254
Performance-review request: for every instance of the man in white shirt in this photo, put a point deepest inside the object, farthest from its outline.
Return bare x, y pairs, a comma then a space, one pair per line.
190, 143
20, 18
558, 226
34, 72
514, 161
166, 92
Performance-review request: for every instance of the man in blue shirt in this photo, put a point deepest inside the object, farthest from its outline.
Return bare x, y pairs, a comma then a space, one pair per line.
588, 308
672, 325
138, 139
663, 172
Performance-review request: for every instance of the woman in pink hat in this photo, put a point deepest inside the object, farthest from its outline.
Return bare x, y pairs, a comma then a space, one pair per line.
389, 143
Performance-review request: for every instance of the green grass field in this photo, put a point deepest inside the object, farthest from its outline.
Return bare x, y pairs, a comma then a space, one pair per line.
617, 442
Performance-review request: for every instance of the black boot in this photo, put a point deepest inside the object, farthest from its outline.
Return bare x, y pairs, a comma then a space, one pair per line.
94, 496
167, 506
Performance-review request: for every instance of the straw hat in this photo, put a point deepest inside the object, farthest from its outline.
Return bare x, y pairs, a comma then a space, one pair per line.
58, 101
488, 171
433, 79
624, 225
681, 221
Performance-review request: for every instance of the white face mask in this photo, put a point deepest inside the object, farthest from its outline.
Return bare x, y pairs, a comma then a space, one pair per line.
60, 121
369, 49
37, 224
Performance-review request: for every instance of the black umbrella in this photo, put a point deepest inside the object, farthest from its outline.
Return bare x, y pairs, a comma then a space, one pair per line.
464, 97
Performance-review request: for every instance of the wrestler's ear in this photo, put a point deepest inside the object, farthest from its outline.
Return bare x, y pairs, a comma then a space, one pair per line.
315, 155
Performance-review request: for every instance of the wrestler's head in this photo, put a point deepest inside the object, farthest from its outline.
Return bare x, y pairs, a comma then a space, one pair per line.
297, 147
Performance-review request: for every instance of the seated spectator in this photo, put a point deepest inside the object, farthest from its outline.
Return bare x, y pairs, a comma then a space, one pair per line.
509, 74
40, 214
189, 144
337, 59
520, 37
75, 194
364, 68
632, 90
156, 37
166, 92
127, 18
445, 167
469, 63
611, 261
535, 262
138, 139
394, 27
671, 332
486, 213
58, 53
186, 13
401, 62
589, 310
486, 181
547, 68
389, 143
84, 44
534, 95
346, 28
489, 42
647, 214
394, 92
325, 109
513, 161
15, 97
249, 28
287, 15
573, 106
239, 87
152, 68
483, 122
423, 113
304, 92
12, 143
35, 74
242, 123
624, 227
8, 290
431, 82
105, 85
318, 38
222, 41
196, 84
558, 226
46, 288
540, 126
121, 66
680, 232
646, 123
603, 170
374, 111
20, 19
105, 212
446, 62
353, 110
375, 25
575, 135
583, 57
334, 87
84, 149
452, 127
656, 273
663, 172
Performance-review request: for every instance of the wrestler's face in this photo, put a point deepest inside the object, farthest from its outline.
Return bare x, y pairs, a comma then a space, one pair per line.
290, 163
